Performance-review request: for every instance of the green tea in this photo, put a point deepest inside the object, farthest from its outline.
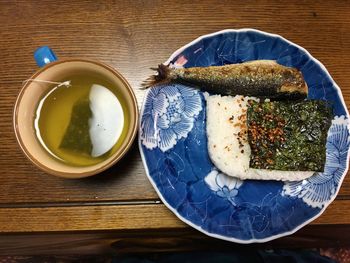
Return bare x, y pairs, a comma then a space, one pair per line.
83, 120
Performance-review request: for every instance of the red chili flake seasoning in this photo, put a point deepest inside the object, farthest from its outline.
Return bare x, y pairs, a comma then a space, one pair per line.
269, 161
279, 134
240, 117
262, 138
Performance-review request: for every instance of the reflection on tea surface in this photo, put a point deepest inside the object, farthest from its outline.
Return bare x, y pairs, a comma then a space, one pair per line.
81, 123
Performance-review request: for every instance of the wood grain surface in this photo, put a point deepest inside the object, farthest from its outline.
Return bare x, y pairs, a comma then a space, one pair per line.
117, 217
116, 242
133, 36
168, 240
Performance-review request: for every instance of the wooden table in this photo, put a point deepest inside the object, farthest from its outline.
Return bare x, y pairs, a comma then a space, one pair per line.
40, 213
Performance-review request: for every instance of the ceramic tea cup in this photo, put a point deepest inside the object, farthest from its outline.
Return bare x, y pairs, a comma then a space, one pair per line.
35, 88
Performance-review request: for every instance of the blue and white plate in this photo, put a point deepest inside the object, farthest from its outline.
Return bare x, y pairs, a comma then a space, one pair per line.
173, 145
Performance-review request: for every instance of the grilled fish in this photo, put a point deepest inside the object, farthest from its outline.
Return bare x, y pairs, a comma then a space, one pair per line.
260, 78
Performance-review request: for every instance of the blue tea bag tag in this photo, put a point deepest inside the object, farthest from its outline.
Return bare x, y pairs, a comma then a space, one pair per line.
44, 55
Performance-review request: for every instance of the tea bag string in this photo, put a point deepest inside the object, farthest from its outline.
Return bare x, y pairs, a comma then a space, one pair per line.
59, 84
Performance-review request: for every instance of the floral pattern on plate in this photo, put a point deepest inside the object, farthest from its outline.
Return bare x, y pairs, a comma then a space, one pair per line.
319, 189
223, 185
169, 114
176, 157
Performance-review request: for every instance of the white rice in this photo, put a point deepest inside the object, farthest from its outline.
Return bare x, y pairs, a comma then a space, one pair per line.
229, 150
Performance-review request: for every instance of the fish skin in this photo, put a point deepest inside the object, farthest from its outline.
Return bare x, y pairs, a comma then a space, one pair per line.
261, 78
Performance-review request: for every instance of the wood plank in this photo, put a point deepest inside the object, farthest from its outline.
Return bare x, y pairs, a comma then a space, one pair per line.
123, 217
134, 36
121, 242
21, 182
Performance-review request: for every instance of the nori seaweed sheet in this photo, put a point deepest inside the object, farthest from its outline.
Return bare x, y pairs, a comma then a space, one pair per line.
77, 137
289, 136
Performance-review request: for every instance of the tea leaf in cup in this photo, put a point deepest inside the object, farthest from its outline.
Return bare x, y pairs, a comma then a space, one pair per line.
77, 137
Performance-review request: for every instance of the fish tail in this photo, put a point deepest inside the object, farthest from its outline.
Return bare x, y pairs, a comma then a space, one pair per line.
163, 76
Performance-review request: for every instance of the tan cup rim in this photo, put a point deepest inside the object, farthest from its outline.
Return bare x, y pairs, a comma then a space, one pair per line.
114, 158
